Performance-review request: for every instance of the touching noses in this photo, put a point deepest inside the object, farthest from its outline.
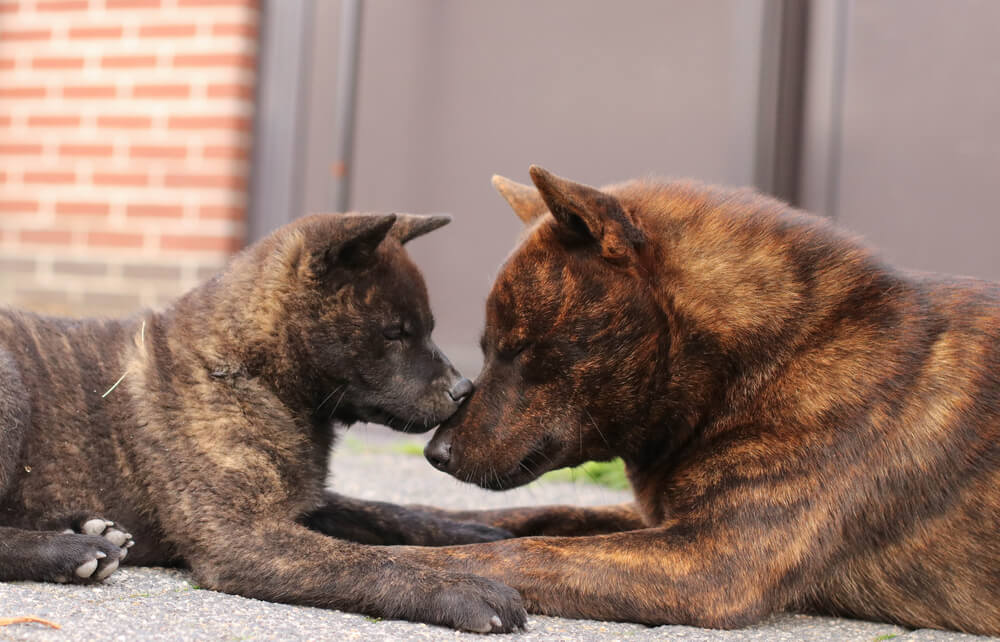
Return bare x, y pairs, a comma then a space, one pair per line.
460, 390
438, 451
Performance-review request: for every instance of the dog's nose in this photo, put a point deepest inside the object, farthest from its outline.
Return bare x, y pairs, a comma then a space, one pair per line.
438, 452
460, 390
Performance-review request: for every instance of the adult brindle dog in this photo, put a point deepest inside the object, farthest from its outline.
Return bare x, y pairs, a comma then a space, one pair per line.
205, 430
804, 427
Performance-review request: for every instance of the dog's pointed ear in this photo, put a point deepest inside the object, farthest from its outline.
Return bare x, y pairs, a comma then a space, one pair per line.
586, 214
340, 241
410, 226
525, 200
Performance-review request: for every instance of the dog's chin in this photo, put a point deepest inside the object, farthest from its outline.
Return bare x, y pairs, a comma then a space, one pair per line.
397, 423
523, 473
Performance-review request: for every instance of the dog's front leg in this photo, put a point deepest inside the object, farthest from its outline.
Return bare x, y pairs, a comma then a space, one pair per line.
654, 576
370, 522
282, 561
566, 521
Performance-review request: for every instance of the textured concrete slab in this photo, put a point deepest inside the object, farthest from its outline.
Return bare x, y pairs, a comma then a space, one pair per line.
163, 604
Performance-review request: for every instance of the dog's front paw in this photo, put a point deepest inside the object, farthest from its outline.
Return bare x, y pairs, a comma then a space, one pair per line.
117, 535
479, 605
78, 558
471, 533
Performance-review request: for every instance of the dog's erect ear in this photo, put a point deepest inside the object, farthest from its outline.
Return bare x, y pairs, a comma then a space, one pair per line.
410, 226
339, 241
525, 200
586, 214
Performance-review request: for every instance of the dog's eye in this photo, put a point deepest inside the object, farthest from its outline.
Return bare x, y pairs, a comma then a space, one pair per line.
509, 353
394, 332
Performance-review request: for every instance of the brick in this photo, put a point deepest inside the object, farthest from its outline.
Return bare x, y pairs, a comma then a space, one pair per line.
18, 207
22, 266
82, 209
237, 29
53, 121
122, 179
57, 63
83, 268
9, 7
223, 181
132, 4
161, 91
22, 92
214, 60
127, 62
61, 5
21, 35
46, 237
114, 239
236, 123
96, 32
230, 91
4, 121
151, 271
156, 211
7, 64
167, 31
157, 151
15, 149
125, 122
200, 243
222, 212
113, 300
89, 151
226, 151
51, 178
27, 297
90, 91
217, 3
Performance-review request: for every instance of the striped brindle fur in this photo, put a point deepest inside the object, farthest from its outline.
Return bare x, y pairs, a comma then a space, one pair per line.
804, 427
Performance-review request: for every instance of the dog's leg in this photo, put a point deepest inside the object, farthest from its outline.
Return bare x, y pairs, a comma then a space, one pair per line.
566, 521
371, 522
280, 561
49, 556
667, 575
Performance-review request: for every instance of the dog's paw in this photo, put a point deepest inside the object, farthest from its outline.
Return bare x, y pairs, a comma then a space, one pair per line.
98, 526
479, 605
82, 559
472, 533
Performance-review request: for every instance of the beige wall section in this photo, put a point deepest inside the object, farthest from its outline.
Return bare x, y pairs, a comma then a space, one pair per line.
919, 166
452, 92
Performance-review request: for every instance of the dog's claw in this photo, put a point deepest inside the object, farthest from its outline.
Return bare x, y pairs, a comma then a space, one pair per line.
496, 622
87, 569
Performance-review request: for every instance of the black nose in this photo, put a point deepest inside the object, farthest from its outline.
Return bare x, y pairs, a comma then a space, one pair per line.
438, 452
460, 390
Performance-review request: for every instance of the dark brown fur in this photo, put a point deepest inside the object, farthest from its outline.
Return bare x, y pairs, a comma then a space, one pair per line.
804, 427
212, 449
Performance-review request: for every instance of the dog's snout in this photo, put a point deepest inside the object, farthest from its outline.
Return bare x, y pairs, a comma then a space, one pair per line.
460, 390
438, 452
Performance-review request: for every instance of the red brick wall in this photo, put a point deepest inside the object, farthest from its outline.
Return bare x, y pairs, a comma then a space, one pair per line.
125, 135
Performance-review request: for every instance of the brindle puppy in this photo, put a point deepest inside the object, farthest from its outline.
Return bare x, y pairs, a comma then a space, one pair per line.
206, 429
804, 427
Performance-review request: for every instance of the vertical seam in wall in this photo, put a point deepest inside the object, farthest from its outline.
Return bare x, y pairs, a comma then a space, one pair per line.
837, 109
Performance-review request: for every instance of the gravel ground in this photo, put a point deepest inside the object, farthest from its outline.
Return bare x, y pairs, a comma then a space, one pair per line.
163, 604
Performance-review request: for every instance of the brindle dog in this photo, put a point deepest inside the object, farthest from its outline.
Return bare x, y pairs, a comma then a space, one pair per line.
804, 427
206, 429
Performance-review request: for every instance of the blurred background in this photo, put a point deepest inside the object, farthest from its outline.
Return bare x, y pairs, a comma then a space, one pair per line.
142, 142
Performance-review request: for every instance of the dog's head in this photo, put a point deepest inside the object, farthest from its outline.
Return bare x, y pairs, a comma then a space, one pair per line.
343, 315
571, 342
